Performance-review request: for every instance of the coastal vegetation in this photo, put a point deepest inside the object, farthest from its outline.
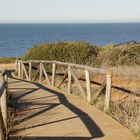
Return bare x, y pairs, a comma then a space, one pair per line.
83, 53
86, 53
72, 52
7, 60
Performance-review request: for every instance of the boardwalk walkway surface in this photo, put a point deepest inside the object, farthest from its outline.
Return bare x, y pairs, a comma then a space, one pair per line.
46, 114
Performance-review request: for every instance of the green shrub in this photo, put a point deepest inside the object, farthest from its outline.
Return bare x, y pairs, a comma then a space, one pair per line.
86, 54
73, 52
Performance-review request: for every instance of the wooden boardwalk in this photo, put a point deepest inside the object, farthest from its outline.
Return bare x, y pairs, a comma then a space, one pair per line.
45, 113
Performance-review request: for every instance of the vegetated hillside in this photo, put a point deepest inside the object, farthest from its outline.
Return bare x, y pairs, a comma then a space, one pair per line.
74, 52
126, 54
85, 53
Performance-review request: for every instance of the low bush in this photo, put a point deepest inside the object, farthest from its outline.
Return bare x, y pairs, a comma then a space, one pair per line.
86, 54
7, 60
72, 52
119, 55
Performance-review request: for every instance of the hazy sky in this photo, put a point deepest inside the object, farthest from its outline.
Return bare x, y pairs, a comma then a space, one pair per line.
69, 10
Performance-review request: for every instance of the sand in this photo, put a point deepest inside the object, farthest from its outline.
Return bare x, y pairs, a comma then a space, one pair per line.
8, 66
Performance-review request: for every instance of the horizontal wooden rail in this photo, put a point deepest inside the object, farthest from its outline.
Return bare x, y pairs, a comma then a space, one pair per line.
70, 74
3, 105
77, 66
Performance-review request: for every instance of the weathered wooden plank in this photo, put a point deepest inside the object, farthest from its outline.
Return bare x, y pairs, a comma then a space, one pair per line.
102, 88
53, 74
19, 69
69, 80
36, 74
88, 85
77, 66
78, 83
40, 73
2, 128
30, 71
3, 104
16, 63
3, 101
6, 85
22, 71
108, 91
25, 72
46, 75
64, 78
2, 84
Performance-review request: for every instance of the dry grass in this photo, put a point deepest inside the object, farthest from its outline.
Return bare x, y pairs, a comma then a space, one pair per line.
11, 114
7, 60
128, 72
127, 112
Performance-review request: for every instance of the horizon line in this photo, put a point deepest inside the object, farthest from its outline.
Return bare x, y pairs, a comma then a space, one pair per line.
129, 22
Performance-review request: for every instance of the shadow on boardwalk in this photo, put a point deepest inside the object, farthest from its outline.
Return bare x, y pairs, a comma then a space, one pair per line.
51, 138
91, 126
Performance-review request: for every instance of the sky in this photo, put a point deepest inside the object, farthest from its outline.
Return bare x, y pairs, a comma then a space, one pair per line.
69, 11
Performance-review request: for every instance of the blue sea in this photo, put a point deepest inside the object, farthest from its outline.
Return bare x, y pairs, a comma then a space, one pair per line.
16, 39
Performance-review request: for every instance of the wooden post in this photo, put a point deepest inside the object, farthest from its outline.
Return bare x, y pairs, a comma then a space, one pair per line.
108, 90
46, 75
139, 110
19, 70
16, 63
30, 71
1, 135
53, 74
4, 107
64, 78
88, 85
78, 83
6, 87
40, 73
25, 72
2, 130
69, 80
22, 76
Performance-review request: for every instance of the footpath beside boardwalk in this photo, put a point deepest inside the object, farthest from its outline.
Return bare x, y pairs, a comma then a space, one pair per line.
44, 113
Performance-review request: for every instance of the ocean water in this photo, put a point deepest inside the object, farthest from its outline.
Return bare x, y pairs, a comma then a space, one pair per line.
16, 39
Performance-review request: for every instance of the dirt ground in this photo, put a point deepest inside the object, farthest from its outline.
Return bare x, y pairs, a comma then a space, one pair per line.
8, 66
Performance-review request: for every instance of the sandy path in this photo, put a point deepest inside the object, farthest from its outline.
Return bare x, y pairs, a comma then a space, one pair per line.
8, 66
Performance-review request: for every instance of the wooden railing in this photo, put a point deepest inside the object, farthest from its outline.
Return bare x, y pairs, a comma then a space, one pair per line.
3, 104
41, 71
